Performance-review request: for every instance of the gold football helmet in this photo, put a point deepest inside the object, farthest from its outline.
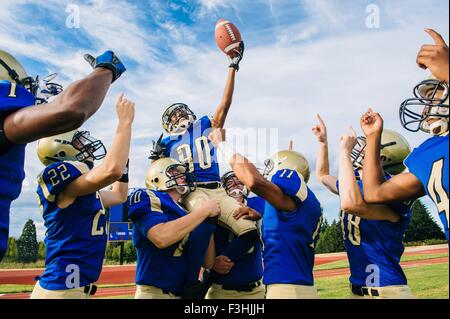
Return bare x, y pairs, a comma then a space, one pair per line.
233, 186
71, 146
287, 160
167, 173
177, 118
394, 149
11, 69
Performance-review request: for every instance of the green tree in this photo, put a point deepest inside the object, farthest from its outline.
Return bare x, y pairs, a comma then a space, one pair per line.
129, 252
423, 226
330, 240
27, 245
11, 253
41, 251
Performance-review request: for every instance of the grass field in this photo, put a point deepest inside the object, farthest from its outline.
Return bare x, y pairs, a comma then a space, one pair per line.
344, 263
426, 282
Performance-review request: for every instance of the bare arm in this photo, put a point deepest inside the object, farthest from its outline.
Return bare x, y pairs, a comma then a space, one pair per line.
322, 164
210, 256
224, 106
117, 195
377, 190
112, 167
166, 234
68, 111
351, 199
247, 173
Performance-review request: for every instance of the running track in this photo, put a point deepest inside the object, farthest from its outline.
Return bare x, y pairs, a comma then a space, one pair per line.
126, 274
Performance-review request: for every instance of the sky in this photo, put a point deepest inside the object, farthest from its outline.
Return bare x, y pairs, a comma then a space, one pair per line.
302, 57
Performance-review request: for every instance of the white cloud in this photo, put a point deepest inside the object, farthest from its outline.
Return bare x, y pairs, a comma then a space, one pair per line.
281, 84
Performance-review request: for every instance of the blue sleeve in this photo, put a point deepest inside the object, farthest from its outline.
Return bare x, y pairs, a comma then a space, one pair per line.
55, 177
14, 98
207, 122
166, 142
410, 162
144, 209
291, 183
257, 203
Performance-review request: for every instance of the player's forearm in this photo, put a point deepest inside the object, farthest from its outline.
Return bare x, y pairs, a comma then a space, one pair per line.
117, 157
117, 195
86, 95
227, 98
171, 232
67, 112
322, 165
372, 177
349, 192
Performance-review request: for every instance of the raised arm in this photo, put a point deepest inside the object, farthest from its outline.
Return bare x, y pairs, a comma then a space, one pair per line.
118, 193
351, 199
113, 166
224, 106
247, 173
377, 190
70, 109
322, 164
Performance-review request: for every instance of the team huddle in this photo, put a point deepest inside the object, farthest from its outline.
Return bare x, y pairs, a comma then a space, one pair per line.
245, 234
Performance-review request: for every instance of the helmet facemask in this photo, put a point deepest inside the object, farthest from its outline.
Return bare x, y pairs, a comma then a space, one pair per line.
430, 102
269, 166
178, 118
233, 186
41, 89
359, 151
180, 179
91, 149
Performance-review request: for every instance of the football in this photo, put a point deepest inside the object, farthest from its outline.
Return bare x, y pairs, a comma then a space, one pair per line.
227, 37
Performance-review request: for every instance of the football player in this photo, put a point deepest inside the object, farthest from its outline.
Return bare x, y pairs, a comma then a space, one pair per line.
373, 234
237, 276
428, 164
72, 201
162, 229
188, 143
22, 121
291, 220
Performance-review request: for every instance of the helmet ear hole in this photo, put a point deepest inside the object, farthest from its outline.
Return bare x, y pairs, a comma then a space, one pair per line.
62, 154
156, 180
383, 158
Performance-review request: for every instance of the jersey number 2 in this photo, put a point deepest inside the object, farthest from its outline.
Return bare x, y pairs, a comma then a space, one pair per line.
436, 191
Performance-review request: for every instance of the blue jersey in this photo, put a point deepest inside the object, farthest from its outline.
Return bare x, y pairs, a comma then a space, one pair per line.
257, 203
76, 235
162, 268
290, 237
429, 163
245, 270
375, 246
194, 147
12, 98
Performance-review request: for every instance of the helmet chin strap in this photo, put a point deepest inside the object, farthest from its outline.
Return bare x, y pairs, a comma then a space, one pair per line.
181, 127
182, 190
439, 127
236, 193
